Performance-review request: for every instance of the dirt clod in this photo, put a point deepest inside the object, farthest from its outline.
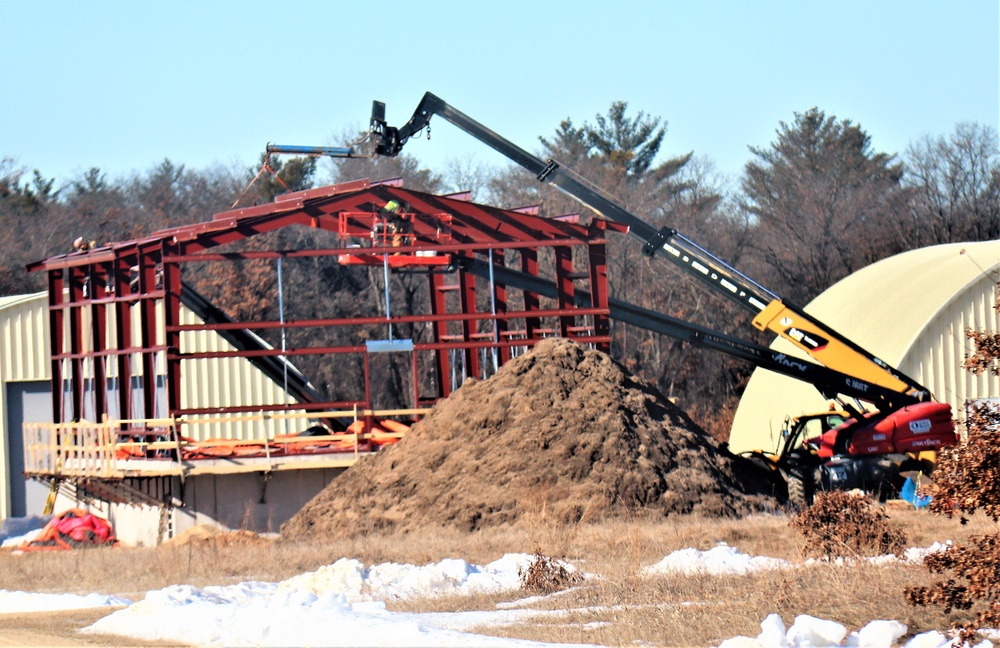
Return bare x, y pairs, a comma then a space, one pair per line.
562, 432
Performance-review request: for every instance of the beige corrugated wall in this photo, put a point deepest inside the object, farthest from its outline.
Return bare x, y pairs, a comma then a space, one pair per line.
23, 319
219, 382
911, 310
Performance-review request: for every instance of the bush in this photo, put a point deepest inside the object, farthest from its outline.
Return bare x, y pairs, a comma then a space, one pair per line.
967, 479
545, 575
967, 476
843, 524
975, 571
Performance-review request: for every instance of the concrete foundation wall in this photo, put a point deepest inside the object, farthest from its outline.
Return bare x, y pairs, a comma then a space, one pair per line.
242, 501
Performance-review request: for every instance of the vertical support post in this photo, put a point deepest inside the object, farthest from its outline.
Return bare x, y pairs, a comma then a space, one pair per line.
284, 335
123, 334
529, 265
599, 291
172, 338
385, 279
99, 339
442, 366
564, 287
368, 385
500, 309
415, 401
467, 283
147, 331
77, 275
493, 313
57, 345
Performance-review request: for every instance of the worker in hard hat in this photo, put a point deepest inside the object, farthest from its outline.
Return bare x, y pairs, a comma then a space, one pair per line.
396, 224
82, 245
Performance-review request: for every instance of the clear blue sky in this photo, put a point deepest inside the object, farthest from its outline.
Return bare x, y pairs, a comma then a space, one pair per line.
123, 85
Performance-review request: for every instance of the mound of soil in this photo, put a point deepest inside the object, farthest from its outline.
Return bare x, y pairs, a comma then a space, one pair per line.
204, 534
562, 431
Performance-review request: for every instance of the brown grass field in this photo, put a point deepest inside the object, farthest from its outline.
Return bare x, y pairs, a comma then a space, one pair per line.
616, 609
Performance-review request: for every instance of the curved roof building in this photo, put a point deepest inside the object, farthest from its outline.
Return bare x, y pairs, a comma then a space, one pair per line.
912, 310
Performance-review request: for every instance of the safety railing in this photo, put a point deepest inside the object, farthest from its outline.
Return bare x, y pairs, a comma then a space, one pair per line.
113, 448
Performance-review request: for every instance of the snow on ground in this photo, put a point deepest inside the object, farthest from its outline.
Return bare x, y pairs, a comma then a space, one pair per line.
16, 531
724, 560
343, 605
718, 561
37, 602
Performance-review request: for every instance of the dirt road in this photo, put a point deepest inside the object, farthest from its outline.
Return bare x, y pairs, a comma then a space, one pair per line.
51, 629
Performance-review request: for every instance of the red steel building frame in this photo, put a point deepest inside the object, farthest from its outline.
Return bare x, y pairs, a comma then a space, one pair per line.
88, 290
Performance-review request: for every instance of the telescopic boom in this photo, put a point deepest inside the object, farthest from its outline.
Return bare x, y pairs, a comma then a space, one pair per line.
770, 312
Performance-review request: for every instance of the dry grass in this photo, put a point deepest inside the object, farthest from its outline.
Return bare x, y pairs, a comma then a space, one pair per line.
617, 608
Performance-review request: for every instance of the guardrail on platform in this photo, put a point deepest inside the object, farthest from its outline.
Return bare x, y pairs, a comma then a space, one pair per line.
111, 448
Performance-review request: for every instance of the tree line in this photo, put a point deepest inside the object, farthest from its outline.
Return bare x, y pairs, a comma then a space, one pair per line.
815, 205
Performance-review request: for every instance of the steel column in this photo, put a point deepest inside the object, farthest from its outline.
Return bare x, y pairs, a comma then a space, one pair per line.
564, 286
172, 337
99, 337
529, 265
467, 293
599, 290
77, 276
57, 340
123, 335
439, 307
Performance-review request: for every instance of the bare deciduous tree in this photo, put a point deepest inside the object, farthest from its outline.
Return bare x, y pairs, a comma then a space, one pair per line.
822, 199
955, 186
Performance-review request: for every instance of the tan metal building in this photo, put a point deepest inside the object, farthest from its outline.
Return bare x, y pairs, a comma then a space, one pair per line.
25, 393
25, 396
912, 310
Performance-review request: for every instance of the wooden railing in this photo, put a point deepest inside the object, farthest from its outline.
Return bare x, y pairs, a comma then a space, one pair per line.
82, 448
111, 448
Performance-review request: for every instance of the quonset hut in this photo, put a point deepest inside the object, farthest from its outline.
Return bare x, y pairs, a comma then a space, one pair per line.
913, 311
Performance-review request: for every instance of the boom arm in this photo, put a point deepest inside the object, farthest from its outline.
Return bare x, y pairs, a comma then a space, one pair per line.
829, 382
770, 312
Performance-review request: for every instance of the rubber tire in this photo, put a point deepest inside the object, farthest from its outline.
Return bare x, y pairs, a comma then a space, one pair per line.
801, 487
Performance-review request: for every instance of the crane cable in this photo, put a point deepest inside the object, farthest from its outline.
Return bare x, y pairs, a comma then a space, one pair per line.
264, 167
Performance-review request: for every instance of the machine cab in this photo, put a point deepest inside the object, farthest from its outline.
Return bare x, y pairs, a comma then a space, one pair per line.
802, 429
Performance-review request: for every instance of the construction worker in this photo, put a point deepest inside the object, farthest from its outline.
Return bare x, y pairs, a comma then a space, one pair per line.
82, 245
396, 224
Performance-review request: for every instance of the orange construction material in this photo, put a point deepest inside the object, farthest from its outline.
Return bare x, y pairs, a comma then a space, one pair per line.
72, 529
379, 432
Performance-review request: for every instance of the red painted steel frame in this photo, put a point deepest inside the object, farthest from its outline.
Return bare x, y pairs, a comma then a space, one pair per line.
133, 279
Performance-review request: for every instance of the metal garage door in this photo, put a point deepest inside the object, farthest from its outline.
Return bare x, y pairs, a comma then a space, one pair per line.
26, 402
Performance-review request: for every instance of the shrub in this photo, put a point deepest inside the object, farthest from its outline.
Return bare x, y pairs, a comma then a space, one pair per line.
967, 476
843, 524
975, 570
545, 575
967, 479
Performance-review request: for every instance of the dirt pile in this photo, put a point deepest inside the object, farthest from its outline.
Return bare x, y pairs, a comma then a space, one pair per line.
560, 431
206, 535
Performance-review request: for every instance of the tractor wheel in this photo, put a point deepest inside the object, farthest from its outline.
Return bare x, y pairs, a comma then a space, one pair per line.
801, 487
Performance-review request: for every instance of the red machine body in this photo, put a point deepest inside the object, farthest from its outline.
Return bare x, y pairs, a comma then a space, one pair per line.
914, 428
